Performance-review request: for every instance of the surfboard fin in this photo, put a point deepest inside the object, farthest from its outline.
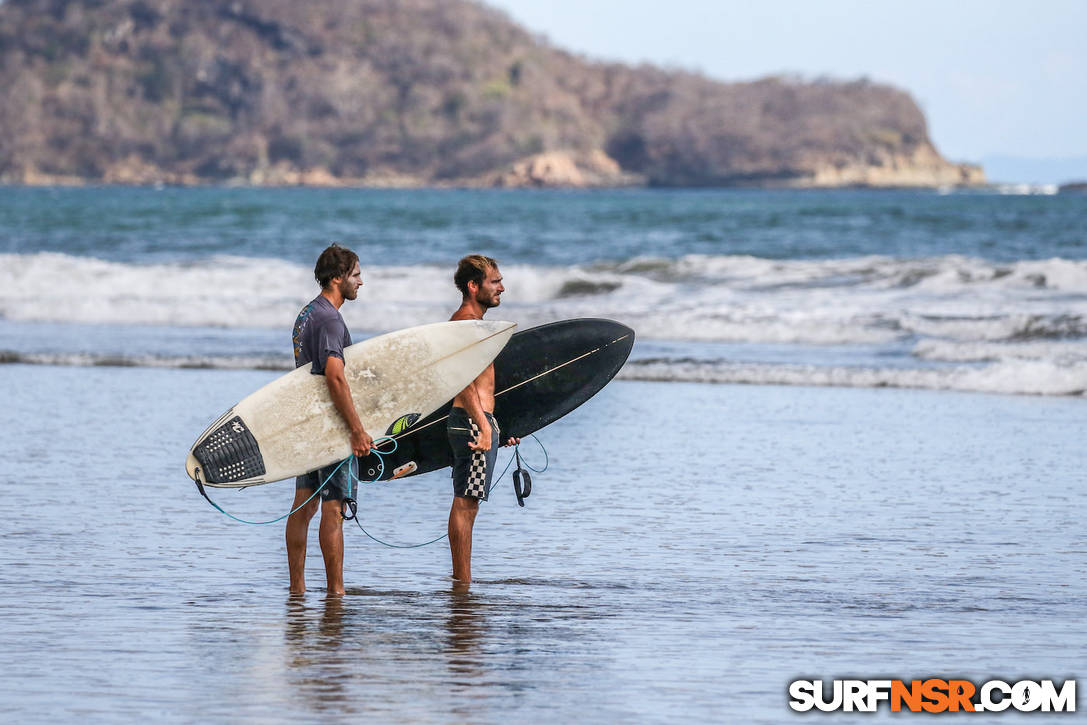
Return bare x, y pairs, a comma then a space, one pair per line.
402, 423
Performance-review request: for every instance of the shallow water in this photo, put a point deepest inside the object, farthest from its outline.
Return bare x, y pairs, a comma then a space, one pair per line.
690, 551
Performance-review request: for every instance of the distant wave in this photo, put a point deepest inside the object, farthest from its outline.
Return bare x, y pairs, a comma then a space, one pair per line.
954, 322
1012, 377
1064, 352
861, 300
201, 362
1027, 189
1021, 376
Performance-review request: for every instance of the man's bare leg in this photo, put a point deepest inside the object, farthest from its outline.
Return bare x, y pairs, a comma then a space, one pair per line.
332, 545
297, 532
462, 517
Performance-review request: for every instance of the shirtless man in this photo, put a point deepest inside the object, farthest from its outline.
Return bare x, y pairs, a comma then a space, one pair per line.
320, 336
472, 429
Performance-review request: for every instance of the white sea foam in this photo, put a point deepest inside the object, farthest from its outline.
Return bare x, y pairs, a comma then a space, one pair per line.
84, 359
1016, 327
714, 298
1027, 189
1012, 377
1065, 352
1023, 377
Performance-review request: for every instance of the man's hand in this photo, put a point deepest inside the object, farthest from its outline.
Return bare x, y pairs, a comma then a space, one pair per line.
512, 442
361, 442
482, 441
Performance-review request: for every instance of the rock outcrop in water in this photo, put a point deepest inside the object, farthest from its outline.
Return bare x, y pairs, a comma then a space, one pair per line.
410, 92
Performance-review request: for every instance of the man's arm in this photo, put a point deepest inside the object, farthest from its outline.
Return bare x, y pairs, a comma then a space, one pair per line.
341, 398
469, 400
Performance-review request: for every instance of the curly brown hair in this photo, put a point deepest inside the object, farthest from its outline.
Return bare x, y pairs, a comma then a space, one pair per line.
472, 268
335, 261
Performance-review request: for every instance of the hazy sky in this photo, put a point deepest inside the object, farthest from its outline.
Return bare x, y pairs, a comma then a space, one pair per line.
993, 77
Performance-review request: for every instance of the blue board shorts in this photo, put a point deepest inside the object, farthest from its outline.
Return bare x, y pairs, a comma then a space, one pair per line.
339, 487
472, 470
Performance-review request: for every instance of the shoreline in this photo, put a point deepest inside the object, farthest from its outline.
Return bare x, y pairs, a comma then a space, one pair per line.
828, 378
406, 184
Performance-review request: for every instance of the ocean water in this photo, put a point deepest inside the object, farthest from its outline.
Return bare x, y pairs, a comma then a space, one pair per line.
690, 550
914, 289
848, 444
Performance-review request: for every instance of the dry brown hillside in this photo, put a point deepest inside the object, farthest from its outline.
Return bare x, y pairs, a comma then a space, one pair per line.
409, 92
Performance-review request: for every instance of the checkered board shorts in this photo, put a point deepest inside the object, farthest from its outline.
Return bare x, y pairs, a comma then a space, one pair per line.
472, 470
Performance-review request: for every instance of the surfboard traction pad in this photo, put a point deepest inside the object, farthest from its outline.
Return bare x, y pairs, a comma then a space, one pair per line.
230, 453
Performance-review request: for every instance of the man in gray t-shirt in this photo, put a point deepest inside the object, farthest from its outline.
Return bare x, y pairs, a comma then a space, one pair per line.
319, 337
319, 332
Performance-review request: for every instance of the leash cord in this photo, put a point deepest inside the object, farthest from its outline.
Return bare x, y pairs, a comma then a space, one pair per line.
516, 449
352, 504
494, 482
299, 507
289, 513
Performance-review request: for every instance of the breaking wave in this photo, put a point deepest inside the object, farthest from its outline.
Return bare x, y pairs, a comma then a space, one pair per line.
696, 297
950, 322
193, 362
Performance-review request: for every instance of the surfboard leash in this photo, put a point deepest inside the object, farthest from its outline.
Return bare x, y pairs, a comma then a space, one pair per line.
522, 482
265, 523
373, 449
522, 486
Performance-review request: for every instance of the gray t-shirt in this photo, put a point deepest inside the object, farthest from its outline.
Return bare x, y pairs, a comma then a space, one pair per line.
319, 332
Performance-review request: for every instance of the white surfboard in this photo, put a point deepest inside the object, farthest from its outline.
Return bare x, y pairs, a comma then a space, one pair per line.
290, 426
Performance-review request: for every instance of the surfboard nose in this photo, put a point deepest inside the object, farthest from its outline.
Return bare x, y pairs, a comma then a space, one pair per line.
490, 328
498, 330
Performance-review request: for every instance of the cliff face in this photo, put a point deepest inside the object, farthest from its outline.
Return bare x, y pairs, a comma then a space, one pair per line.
409, 92
917, 167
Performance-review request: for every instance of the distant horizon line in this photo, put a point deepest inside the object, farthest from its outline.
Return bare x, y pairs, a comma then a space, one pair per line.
1012, 168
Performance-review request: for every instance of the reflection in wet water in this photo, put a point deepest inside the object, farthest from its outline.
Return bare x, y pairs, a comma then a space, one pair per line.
466, 625
315, 650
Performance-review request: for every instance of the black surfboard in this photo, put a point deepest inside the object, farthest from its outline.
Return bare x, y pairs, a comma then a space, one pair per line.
541, 375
